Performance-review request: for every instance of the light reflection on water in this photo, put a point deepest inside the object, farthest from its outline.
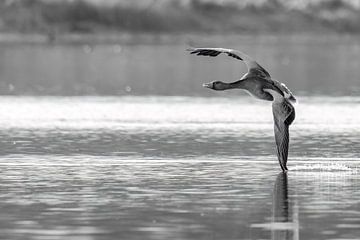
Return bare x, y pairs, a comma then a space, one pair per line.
176, 168
175, 127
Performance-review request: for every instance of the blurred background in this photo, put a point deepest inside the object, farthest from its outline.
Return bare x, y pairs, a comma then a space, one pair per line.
121, 47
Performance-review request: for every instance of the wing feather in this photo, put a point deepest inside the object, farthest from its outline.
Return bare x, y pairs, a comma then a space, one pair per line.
284, 115
254, 69
282, 143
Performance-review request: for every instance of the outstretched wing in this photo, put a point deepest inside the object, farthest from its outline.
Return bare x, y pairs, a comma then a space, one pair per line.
282, 143
284, 114
254, 69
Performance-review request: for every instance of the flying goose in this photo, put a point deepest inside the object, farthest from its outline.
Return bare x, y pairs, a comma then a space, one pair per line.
254, 81
257, 81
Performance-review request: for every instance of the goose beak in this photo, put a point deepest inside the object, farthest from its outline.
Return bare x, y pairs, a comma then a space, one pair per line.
208, 85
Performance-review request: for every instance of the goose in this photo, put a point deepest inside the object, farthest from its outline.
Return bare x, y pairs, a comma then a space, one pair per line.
258, 83
254, 81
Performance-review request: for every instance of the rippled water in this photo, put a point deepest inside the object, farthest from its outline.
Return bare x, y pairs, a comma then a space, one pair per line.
176, 168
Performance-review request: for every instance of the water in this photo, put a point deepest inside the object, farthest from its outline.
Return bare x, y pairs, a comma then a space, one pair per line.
309, 65
176, 168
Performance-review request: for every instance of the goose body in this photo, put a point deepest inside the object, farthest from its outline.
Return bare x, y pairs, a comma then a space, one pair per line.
257, 81
253, 85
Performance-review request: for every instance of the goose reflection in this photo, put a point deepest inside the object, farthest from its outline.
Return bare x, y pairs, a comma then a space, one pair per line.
284, 223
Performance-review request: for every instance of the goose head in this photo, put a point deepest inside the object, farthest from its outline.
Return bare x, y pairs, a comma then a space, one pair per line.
217, 85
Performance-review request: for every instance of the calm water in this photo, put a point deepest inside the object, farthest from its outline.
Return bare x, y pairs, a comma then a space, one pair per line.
309, 65
176, 168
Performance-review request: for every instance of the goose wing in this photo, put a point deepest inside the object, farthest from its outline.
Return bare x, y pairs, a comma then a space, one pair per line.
282, 144
254, 69
284, 114
287, 93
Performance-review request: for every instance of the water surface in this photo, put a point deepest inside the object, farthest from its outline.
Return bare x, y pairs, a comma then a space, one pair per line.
176, 168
